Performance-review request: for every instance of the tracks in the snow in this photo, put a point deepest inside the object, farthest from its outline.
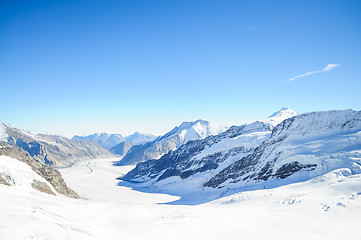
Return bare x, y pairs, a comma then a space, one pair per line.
88, 165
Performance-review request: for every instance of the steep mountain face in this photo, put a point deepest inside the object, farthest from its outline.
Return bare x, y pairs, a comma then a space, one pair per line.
52, 150
300, 148
252, 156
18, 169
130, 141
187, 131
121, 149
105, 140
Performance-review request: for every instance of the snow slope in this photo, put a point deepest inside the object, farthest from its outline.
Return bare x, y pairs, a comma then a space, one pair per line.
327, 207
19, 175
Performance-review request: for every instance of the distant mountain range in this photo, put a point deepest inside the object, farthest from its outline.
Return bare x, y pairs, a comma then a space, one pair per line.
109, 141
187, 131
105, 140
284, 148
51, 149
116, 143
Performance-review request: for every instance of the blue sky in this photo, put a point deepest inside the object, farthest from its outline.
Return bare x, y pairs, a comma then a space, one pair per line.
123, 66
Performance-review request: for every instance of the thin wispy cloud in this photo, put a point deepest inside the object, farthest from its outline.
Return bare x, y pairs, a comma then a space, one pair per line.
329, 67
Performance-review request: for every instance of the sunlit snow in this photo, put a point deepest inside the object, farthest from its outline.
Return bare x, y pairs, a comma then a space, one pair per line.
327, 207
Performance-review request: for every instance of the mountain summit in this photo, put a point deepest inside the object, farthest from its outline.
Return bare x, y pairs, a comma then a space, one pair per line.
279, 116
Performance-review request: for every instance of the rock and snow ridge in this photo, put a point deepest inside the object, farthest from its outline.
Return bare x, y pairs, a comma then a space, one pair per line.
46, 172
301, 147
19, 175
187, 131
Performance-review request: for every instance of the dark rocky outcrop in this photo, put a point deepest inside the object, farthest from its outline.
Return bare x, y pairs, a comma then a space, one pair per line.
42, 187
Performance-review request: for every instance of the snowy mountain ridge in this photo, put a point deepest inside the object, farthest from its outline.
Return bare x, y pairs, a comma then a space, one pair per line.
301, 147
109, 141
187, 131
103, 139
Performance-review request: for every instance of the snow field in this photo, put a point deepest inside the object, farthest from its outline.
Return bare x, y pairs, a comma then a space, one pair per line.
326, 207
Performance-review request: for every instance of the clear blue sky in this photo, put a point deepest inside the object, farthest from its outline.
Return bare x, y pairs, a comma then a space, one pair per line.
121, 66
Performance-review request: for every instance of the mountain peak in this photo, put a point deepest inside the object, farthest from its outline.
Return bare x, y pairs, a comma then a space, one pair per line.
283, 112
278, 117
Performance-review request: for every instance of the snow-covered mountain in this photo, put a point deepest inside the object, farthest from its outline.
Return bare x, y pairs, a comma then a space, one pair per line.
212, 153
109, 141
139, 138
279, 116
103, 139
187, 131
252, 156
51, 149
299, 148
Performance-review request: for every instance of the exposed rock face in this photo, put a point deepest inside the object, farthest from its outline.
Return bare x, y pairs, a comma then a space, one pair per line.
42, 187
134, 155
187, 131
50, 174
52, 150
4, 180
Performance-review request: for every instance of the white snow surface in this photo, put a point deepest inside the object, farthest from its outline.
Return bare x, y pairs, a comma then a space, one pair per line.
326, 207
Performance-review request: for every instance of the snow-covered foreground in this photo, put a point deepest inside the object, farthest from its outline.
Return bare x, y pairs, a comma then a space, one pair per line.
327, 207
